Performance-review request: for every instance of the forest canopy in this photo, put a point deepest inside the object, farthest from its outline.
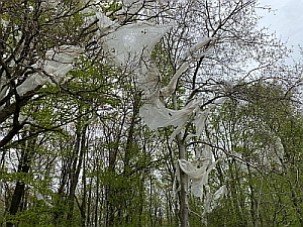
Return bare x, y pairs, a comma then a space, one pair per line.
147, 113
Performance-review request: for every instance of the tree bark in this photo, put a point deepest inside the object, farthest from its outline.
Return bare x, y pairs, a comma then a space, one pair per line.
183, 200
79, 152
23, 167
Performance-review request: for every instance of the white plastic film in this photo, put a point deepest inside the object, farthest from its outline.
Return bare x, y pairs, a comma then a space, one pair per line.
57, 63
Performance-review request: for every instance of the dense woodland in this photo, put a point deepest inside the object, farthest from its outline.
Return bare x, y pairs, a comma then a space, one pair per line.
76, 151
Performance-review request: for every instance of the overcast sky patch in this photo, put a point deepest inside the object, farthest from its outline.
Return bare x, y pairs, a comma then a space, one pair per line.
285, 20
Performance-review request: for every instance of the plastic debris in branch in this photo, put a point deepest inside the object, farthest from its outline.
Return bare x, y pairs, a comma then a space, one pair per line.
104, 22
197, 171
131, 43
130, 47
188, 57
132, 6
200, 122
57, 63
198, 175
200, 119
156, 115
212, 200
50, 4
148, 80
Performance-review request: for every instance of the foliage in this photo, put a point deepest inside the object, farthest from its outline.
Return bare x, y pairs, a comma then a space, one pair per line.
76, 153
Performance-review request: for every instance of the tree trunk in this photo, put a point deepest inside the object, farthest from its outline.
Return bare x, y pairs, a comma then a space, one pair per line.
183, 200
84, 199
23, 167
79, 152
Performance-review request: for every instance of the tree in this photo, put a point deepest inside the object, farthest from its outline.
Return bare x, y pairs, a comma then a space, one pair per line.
249, 133
73, 90
198, 71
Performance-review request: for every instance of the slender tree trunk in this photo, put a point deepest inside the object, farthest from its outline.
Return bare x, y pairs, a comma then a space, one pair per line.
89, 200
183, 200
184, 211
141, 199
23, 167
16, 199
97, 200
129, 149
79, 153
84, 199
60, 201
253, 205
151, 201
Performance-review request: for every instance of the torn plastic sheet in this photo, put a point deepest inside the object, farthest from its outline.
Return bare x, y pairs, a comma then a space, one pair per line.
92, 14
172, 85
132, 42
211, 200
64, 54
200, 119
132, 6
50, 4
104, 22
220, 193
156, 115
197, 171
40, 197
57, 63
200, 122
32, 82
204, 42
148, 79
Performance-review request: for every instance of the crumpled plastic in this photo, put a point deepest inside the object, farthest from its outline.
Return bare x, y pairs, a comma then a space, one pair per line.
132, 6
197, 171
130, 47
211, 200
198, 175
153, 111
200, 119
41, 197
156, 115
131, 43
53, 68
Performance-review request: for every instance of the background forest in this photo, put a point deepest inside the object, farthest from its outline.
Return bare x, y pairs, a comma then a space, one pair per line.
76, 151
